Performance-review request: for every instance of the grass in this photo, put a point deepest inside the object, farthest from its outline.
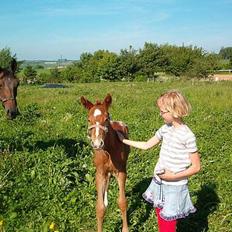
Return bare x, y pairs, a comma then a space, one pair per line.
46, 172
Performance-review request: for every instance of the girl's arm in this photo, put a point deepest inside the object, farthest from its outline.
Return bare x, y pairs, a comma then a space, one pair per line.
141, 145
193, 169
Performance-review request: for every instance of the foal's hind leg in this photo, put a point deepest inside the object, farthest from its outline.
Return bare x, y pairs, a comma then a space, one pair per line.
122, 202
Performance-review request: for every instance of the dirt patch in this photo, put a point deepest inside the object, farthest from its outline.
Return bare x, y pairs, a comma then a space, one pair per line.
222, 77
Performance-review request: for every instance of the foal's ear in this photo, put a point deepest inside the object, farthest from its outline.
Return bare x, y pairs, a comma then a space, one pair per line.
108, 100
87, 104
13, 65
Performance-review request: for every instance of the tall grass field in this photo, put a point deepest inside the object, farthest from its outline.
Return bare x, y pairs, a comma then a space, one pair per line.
47, 178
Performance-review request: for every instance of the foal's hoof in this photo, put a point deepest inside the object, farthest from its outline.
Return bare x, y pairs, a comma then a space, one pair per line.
125, 230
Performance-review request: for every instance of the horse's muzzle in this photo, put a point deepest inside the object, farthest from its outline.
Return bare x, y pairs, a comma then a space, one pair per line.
97, 144
12, 113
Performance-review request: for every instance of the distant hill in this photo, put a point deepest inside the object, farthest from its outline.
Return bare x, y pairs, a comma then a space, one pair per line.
47, 63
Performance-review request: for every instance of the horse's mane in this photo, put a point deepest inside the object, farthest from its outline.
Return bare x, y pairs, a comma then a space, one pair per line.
98, 102
6, 72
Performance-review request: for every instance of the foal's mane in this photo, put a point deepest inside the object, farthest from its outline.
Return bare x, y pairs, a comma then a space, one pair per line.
98, 103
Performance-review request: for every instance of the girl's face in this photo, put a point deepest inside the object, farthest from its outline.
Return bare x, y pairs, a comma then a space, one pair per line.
165, 114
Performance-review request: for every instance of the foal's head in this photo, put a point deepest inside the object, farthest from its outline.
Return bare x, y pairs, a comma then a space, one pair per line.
8, 90
98, 118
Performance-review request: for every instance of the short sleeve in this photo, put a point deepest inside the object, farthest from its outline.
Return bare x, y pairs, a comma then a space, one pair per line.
190, 144
159, 133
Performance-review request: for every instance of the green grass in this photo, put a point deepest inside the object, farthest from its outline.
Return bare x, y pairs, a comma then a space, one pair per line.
46, 170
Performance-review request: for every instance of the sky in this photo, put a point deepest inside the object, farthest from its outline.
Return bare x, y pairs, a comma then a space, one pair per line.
54, 29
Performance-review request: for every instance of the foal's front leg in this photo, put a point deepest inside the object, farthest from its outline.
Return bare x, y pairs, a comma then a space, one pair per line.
102, 181
122, 202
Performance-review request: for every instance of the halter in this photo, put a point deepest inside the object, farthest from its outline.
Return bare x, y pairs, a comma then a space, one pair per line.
6, 99
104, 128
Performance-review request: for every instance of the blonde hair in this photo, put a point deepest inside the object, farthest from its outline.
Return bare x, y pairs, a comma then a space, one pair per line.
175, 103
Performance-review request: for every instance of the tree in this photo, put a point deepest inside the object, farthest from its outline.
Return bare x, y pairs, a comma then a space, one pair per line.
152, 59
230, 63
5, 58
128, 63
189, 61
226, 53
29, 73
55, 75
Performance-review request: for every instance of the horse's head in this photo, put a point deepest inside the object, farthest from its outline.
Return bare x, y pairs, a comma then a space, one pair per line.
98, 118
8, 90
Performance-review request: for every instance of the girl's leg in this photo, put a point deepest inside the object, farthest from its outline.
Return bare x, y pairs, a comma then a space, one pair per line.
165, 226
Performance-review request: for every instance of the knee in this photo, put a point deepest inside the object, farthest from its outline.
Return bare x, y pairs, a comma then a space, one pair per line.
100, 210
122, 204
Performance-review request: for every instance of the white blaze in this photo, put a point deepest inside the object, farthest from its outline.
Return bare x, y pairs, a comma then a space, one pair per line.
97, 112
97, 129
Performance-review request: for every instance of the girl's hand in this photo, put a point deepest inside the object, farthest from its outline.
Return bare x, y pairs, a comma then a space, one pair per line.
168, 176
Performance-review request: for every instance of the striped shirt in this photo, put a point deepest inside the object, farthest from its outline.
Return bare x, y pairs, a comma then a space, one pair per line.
177, 144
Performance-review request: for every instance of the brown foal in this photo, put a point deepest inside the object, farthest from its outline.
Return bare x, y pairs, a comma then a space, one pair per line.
110, 156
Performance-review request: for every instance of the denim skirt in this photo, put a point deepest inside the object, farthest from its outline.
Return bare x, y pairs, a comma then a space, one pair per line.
174, 200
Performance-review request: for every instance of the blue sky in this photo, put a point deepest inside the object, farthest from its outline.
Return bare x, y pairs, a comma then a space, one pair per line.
49, 29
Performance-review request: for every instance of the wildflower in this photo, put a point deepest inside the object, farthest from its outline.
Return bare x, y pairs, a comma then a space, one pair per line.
52, 226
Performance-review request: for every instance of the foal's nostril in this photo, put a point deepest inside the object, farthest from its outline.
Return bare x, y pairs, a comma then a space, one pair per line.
102, 143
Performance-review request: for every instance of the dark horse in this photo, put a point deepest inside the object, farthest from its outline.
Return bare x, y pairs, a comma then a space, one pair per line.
8, 90
110, 156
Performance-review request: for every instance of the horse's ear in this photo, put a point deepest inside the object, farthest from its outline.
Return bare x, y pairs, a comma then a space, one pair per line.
13, 65
87, 104
108, 100
1, 74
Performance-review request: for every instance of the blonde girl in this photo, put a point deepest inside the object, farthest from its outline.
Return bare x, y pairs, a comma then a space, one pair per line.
178, 160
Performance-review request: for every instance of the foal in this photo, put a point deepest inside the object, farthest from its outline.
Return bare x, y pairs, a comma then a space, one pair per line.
110, 156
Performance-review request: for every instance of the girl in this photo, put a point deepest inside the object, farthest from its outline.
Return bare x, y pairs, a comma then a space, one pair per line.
178, 160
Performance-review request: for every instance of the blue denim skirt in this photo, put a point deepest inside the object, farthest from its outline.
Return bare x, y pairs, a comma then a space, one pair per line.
174, 200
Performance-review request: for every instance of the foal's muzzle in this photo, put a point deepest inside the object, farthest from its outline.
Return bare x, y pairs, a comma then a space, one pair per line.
97, 143
97, 146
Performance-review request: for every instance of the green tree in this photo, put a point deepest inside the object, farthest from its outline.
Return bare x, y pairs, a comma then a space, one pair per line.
128, 63
226, 53
152, 59
188, 61
230, 63
106, 65
29, 73
55, 73
5, 58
